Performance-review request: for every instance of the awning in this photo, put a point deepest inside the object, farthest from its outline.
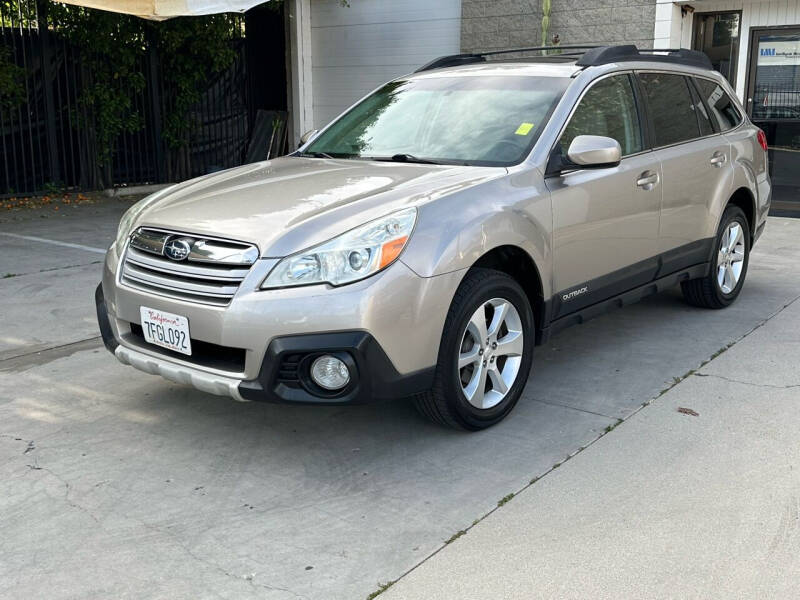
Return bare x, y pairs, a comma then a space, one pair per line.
165, 9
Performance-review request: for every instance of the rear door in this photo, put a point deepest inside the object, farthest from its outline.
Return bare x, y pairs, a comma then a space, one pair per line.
695, 162
605, 221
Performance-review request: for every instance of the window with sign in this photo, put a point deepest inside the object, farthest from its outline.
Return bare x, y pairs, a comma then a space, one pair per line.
776, 93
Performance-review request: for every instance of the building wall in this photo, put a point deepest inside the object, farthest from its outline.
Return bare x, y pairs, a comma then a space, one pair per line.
499, 24
673, 29
356, 48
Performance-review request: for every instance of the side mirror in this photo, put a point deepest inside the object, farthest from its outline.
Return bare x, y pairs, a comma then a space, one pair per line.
308, 136
594, 151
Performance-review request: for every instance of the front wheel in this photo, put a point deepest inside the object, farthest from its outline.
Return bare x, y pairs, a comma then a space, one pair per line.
722, 285
485, 354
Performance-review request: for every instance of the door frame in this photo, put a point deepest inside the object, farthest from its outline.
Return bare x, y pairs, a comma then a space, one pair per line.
735, 58
752, 60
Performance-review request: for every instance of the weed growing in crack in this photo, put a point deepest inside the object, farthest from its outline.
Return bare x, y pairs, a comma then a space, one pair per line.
504, 500
456, 535
382, 587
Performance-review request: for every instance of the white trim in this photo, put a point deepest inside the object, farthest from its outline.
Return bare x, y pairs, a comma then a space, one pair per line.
301, 100
669, 26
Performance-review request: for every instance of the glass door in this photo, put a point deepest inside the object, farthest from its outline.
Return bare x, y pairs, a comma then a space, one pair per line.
773, 101
717, 35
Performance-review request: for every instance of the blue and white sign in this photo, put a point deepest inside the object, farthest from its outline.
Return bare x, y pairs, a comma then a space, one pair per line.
778, 53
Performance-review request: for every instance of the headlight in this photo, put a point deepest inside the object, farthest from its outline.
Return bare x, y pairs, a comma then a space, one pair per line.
354, 255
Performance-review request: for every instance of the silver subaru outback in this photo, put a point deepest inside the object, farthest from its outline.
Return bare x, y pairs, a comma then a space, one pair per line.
424, 242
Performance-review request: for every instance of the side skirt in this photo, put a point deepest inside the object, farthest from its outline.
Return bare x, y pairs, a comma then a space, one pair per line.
600, 308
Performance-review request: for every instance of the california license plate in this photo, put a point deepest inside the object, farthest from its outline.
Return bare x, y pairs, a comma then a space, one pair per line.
166, 330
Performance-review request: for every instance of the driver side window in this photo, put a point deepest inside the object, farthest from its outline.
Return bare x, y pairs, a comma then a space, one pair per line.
607, 109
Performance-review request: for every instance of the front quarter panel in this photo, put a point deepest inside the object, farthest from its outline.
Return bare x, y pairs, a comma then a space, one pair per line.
453, 232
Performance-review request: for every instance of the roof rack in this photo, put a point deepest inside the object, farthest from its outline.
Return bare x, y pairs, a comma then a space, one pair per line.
609, 54
455, 60
588, 56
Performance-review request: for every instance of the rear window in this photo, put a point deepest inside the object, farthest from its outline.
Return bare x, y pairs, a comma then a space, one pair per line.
723, 108
671, 107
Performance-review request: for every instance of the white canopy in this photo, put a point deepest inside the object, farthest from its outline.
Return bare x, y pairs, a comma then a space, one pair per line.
165, 9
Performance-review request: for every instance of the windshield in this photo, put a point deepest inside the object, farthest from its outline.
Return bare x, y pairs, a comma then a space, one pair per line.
478, 120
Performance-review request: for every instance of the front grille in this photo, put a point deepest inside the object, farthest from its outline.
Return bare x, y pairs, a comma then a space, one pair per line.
203, 270
204, 354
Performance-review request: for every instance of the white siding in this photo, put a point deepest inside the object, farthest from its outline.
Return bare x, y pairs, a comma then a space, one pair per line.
754, 14
357, 48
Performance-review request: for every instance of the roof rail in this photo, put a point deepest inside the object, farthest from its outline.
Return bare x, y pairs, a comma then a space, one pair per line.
589, 56
455, 60
610, 54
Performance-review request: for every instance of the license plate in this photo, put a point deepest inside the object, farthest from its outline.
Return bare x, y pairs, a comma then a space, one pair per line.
166, 330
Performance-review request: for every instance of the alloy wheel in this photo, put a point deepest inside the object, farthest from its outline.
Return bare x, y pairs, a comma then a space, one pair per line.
490, 353
730, 257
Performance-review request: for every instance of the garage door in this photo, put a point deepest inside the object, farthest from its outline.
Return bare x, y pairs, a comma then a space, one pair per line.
358, 47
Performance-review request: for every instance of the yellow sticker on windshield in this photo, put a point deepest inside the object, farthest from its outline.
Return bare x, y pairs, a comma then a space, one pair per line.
524, 129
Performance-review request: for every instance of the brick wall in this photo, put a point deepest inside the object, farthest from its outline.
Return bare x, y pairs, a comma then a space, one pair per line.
498, 24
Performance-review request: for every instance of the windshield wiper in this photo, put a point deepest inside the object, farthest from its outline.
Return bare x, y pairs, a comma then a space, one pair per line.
315, 154
409, 158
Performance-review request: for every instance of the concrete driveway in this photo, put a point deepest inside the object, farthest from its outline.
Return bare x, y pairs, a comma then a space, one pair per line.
116, 484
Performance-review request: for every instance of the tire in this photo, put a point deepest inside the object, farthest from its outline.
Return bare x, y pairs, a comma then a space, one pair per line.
505, 355
721, 286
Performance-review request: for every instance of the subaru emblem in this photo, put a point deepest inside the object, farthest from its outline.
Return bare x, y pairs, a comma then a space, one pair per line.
177, 248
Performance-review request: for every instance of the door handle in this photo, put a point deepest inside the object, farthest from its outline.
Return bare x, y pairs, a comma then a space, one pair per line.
647, 180
718, 159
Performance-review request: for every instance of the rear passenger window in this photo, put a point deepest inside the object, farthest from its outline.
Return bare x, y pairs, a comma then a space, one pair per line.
703, 118
723, 109
607, 109
671, 108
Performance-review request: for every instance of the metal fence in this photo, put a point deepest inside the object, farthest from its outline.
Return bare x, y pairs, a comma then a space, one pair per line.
779, 100
46, 141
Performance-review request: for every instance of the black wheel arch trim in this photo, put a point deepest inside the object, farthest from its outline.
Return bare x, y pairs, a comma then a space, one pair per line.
109, 341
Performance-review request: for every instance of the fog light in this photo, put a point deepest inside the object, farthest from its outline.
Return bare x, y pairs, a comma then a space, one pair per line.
330, 373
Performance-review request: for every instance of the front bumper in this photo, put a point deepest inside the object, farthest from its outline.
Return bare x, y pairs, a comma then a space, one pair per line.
388, 328
284, 374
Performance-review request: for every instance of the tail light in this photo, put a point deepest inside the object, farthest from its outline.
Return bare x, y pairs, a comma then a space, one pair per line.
762, 139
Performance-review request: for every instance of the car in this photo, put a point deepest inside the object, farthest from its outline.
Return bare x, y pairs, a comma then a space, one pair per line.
422, 244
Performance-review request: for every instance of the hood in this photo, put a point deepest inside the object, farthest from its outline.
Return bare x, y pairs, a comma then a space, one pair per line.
291, 203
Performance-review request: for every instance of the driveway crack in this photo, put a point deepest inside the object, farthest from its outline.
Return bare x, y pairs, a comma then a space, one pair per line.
250, 578
750, 383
